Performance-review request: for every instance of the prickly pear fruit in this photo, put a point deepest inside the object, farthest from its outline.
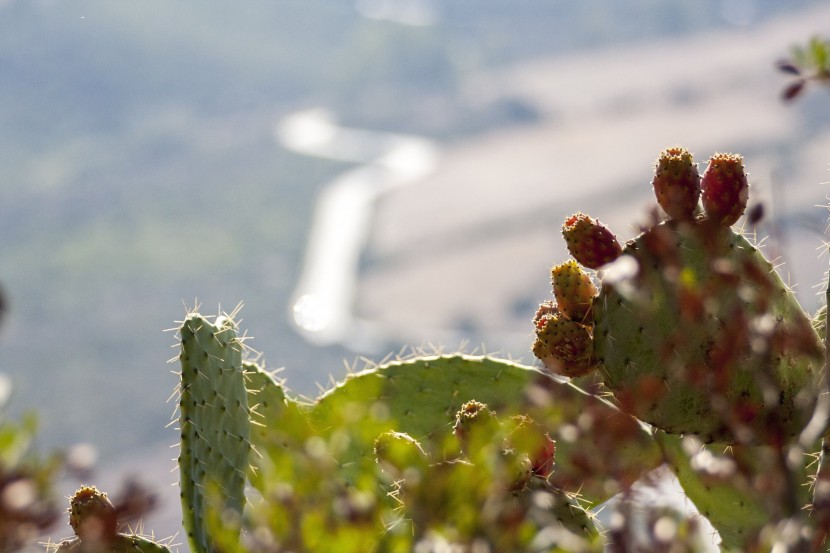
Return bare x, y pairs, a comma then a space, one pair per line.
95, 522
92, 515
530, 438
725, 189
573, 290
589, 241
703, 334
564, 346
677, 183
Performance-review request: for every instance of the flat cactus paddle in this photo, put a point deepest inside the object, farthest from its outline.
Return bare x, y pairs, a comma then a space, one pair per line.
214, 422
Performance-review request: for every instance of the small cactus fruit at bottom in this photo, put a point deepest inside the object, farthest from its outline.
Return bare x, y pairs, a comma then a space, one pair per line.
677, 183
573, 290
92, 515
564, 346
529, 437
589, 241
95, 522
725, 189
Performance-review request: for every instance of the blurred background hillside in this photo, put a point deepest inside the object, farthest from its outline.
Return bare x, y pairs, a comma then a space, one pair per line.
145, 166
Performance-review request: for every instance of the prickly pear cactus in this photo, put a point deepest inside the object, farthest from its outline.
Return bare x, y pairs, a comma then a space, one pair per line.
214, 420
317, 466
687, 328
392, 433
693, 330
703, 333
420, 395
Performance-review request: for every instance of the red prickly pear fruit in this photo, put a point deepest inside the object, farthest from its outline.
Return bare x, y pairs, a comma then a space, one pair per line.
725, 189
564, 346
589, 241
677, 183
573, 290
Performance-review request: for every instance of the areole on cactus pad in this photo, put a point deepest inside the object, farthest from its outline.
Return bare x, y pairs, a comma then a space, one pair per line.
692, 329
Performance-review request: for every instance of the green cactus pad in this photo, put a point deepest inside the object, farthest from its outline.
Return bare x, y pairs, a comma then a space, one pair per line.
277, 421
703, 337
734, 508
421, 396
214, 422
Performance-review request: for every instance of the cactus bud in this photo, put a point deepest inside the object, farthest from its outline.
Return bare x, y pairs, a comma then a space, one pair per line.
725, 189
677, 183
589, 241
472, 414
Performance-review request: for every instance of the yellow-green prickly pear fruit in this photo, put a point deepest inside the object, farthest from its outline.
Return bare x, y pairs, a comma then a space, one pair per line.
697, 334
573, 289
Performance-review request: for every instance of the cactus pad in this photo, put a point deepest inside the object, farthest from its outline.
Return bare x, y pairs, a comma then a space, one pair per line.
214, 423
706, 339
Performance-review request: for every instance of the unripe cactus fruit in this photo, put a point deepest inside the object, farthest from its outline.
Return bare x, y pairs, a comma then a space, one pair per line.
95, 522
589, 241
725, 189
397, 451
677, 183
573, 290
92, 515
529, 437
473, 416
564, 346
